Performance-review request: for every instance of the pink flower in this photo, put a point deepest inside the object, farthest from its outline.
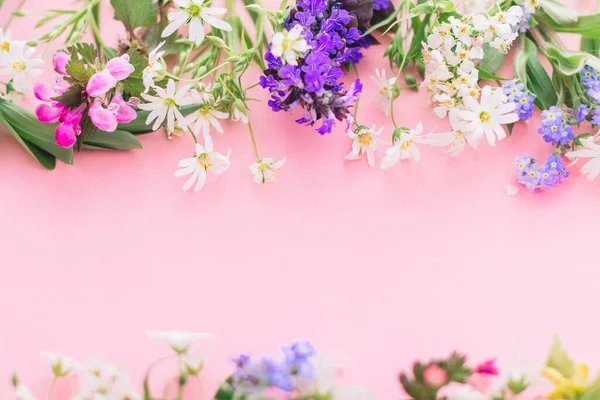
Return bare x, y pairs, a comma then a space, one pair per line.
60, 62
488, 367
50, 113
100, 83
66, 135
120, 68
435, 376
104, 118
125, 112
481, 382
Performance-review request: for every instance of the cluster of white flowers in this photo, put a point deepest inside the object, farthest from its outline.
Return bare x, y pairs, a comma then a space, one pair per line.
195, 13
17, 62
453, 48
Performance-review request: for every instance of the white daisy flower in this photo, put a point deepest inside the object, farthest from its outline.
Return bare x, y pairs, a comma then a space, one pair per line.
205, 117
20, 66
263, 171
192, 364
288, 45
166, 106
205, 160
5, 43
488, 115
364, 141
195, 13
23, 393
406, 147
386, 90
590, 150
101, 381
457, 139
156, 67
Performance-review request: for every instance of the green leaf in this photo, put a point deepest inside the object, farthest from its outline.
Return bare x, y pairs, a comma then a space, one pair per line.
586, 25
560, 13
520, 66
117, 140
538, 81
87, 51
446, 6
590, 46
567, 63
72, 97
423, 8
77, 70
1, 3
592, 392
46, 159
134, 13
560, 360
483, 74
225, 391
492, 59
32, 131
139, 62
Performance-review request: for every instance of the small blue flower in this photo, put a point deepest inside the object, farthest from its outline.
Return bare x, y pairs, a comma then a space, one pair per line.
523, 25
589, 76
534, 176
523, 100
596, 117
582, 112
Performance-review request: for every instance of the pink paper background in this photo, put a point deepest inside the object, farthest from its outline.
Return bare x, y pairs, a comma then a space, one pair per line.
383, 267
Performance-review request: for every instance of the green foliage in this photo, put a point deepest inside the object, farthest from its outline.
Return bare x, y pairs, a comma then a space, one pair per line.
586, 25
135, 13
560, 13
590, 45
134, 84
483, 74
492, 59
117, 140
520, 66
87, 51
225, 391
538, 81
72, 97
560, 360
567, 63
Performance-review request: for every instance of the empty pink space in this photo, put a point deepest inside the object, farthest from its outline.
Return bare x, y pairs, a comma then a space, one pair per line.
382, 267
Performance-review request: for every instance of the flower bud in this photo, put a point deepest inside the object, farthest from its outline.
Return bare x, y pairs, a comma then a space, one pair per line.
435, 376
176, 70
20, 13
32, 43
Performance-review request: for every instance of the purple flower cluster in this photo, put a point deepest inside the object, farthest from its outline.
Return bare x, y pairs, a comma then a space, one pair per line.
523, 25
591, 80
534, 176
516, 92
314, 84
553, 127
380, 4
252, 376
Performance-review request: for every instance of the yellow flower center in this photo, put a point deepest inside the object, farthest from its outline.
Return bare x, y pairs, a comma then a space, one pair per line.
365, 139
170, 102
194, 10
406, 144
19, 66
384, 91
485, 117
204, 160
204, 110
5, 47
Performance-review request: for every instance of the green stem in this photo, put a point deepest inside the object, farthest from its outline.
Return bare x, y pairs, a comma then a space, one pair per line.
12, 17
253, 141
357, 98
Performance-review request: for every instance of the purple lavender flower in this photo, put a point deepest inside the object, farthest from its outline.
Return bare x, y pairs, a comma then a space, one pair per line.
582, 112
380, 4
314, 83
534, 176
523, 25
523, 100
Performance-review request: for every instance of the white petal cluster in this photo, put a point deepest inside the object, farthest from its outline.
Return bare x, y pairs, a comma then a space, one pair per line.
17, 63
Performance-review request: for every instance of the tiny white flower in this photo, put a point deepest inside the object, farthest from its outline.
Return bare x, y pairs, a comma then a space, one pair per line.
457, 139
263, 171
386, 90
529, 5
503, 44
205, 117
406, 147
101, 381
23, 393
202, 93
205, 160
20, 65
327, 382
441, 37
156, 67
165, 106
192, 364
488, 115
513, 15
61, 365
288, 45
239, 115
195, 13
461, 30
5, 44
590, 150
180, 341
364, 141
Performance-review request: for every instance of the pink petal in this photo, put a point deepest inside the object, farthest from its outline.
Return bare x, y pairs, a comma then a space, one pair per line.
60, 62
120, 68
100, 83
101, 117
72, 117
125, 113
66, 135
43, 91
49, 113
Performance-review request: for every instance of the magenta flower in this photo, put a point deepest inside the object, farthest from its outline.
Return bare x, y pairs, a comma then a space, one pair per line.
68, 130
60, 62
488, 368
53, 110
100, 83
104, 118
120, 68
125, 113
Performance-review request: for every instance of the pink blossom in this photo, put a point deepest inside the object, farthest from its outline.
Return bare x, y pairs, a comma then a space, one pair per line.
481, 382
488, 367
120, 68
43, 91
435, 376
66, 135
104, 118
125, 113
50, 113
100, 83
60, 62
